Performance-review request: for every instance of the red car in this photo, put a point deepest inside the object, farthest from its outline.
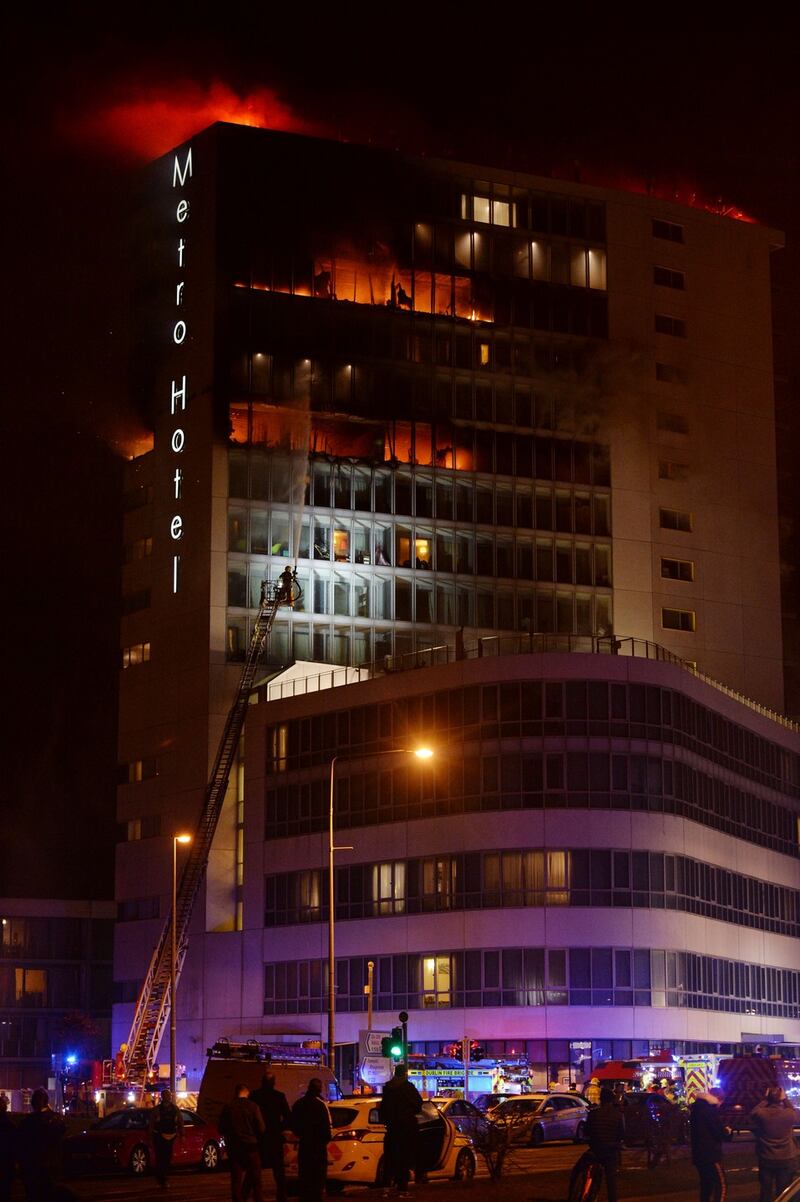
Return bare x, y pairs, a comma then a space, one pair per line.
123, 1141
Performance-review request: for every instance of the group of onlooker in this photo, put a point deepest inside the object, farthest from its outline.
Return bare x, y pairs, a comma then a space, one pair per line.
33, 1147
772, 1121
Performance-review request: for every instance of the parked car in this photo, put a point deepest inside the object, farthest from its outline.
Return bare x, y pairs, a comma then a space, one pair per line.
642, 1110
536, 1118
488, 1101
465, 1117
355, 1154
122, 1142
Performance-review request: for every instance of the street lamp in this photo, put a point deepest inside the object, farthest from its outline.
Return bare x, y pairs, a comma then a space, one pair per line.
173, 960
420, 753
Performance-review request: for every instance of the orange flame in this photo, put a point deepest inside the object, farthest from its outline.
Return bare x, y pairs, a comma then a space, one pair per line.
150, 121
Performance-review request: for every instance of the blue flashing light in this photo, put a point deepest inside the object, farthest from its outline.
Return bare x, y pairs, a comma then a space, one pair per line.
72, 1059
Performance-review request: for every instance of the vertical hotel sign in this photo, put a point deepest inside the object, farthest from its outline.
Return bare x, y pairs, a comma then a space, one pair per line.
181, 174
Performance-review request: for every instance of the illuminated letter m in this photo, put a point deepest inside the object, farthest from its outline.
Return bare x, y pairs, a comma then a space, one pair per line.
178, 176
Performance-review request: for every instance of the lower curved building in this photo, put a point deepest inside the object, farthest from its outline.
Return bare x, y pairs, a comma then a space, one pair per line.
599, 861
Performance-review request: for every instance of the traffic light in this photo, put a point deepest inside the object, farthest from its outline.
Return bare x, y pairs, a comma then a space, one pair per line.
392, 1045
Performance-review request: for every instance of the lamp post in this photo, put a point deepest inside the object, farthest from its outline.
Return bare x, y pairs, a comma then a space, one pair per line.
421, 753
173, 960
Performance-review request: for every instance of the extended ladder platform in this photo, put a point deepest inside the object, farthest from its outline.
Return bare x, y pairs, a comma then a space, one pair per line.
153, 1005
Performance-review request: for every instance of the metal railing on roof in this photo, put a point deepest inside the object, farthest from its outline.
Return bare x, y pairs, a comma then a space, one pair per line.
513, 644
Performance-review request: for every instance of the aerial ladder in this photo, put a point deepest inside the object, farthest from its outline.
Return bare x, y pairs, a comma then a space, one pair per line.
154, 1003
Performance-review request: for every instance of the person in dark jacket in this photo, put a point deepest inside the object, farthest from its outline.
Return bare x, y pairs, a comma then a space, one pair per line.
773, 1122
243, 1127
399, 1106
39, 1140
277, 1118
8, 1139
707, 1131
605, 1132
311, 1123
166, 1124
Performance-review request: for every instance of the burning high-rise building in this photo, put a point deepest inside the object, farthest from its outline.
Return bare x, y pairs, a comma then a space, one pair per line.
518, 435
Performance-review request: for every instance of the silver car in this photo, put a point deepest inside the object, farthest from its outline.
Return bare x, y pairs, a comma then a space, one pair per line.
536, 1118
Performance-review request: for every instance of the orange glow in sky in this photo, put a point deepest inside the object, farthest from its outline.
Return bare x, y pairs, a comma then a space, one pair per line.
150, 121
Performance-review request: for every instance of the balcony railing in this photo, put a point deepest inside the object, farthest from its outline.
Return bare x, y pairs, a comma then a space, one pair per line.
512, 644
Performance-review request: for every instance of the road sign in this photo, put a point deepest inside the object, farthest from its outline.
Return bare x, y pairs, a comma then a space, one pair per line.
369, 1042
375, 1070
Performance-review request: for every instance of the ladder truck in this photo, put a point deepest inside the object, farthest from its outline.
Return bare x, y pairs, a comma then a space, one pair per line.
153, 1005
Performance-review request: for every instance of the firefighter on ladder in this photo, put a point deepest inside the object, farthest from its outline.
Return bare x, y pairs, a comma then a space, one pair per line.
285, 586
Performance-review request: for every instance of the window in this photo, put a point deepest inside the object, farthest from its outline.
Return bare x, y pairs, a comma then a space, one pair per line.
139, 549
134, 909
133, 602
139, 770
674, 326
488, 211
675, 519
672, 423
679, 619
668, 230
665, 277
139, 653
667, 373
669, 470
143, 828
677, 569
389, 887
436, 981
30, 986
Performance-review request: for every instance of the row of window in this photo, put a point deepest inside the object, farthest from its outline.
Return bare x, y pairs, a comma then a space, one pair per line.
497, 204
354, 353
615, 709
460, 449
531, 781
547, 307
428, 549
487, 609
386, 598
134, 909
54, 986
577, 976
440, 280
52, 938
349, 387
534, 877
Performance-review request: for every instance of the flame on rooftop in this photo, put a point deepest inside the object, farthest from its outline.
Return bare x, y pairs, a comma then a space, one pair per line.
148, 121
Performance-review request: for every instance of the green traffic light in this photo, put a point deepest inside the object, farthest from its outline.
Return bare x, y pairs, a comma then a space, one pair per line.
396, 1049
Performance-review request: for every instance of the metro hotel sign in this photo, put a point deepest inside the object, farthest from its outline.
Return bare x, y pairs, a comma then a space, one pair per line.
179, 384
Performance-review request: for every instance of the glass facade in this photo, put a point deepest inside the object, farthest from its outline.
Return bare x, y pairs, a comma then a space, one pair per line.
537, 976
411, 428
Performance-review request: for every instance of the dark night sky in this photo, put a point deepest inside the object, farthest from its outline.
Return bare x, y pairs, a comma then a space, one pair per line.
717, 114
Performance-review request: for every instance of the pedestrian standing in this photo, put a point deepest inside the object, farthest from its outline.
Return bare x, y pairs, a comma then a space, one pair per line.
241, 1124
707, 1131
39, 1141
311, 1123
398, 1110
166, 1125
277, 1118
773, 1122
605, 1131
8, 1135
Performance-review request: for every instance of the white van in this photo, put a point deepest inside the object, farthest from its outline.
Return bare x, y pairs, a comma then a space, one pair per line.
230, 1064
